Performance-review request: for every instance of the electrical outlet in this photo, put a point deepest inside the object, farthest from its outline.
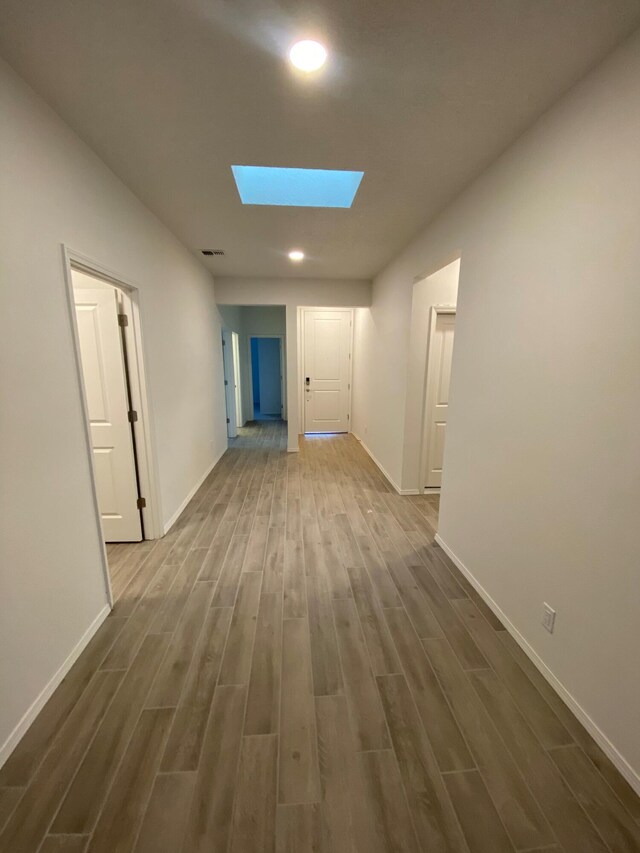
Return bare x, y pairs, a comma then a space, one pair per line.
548, 617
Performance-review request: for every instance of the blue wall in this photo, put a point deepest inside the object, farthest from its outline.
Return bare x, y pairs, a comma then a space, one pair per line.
255, 371
269, 370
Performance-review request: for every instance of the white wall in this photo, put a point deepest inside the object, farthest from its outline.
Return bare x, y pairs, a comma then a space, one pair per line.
541, 489
54, 190
293, 293
439, 288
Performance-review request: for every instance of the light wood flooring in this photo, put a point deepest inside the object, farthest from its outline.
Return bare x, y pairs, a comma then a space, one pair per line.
297, 667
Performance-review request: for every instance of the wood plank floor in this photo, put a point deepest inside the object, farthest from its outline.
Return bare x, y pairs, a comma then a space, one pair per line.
297, 667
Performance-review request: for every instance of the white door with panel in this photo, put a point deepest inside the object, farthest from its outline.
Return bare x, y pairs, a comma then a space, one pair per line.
327, 370
235, 340
438, 380
105, 385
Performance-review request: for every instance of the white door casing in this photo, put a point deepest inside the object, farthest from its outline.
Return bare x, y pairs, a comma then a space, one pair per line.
327, 370
437, 396
229, 383
104, 376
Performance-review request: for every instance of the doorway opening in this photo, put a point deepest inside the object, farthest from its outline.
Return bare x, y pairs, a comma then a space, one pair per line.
105, 324
255, 374
267, 377
439, 358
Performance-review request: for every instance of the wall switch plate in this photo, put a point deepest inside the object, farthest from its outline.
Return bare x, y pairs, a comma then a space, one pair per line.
548, 617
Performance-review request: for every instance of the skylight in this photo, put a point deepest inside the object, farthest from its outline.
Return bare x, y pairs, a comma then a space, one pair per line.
296, 187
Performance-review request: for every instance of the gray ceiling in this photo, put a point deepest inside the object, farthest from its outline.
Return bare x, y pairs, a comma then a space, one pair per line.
420, 94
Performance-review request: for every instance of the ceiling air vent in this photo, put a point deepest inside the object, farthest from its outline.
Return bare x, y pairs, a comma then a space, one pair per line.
213, 252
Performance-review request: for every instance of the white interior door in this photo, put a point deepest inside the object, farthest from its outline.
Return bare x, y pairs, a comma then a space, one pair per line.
105, 386
438, 380
327, 368
236, 378
229, 383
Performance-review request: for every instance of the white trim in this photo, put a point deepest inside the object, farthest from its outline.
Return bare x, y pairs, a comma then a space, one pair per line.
386, 475
300, 342
147, 462
424, 447
45, 694
572, 703
176, 515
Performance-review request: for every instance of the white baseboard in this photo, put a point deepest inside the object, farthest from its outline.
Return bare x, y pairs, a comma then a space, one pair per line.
176, 515
572, 703
38, 704
387, 476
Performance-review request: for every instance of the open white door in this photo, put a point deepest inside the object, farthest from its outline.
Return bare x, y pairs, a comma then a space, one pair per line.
105, 387
236, 378
229, 383
437, 404
327, 369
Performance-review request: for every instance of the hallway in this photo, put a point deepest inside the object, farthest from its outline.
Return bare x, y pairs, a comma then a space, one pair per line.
297, 667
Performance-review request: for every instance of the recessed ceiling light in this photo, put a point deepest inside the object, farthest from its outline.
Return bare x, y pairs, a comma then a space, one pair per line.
296, 255
308, 55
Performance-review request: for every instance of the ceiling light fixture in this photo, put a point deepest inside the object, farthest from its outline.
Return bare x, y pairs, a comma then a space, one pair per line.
308, 55
296, 255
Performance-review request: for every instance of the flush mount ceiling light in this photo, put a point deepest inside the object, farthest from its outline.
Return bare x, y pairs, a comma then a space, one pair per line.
296, 255
308, 55
272, 185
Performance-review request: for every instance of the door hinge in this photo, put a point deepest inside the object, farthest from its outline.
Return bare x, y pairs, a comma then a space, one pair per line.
123, 320
141, 503
224, 343
132, 416
347, 417
228, 421
225, 382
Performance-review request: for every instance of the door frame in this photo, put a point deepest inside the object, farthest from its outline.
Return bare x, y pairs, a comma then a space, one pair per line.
145, 449
301, 353
283, 371
424, 449
228, 372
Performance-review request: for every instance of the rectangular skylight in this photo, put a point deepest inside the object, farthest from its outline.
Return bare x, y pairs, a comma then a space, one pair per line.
296, 187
